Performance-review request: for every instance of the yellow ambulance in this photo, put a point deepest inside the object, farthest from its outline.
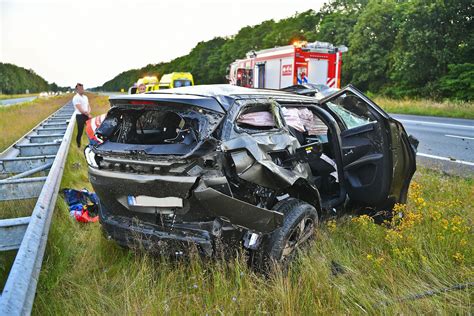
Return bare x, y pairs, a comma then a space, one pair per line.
176, 80
150, 82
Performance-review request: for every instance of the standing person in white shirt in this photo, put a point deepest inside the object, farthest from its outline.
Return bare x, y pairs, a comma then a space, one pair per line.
83, 111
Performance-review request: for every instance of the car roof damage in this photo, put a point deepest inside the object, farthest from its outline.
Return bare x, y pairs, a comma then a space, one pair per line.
202, 95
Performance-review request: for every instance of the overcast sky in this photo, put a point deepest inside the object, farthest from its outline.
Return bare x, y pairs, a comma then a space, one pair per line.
91, 41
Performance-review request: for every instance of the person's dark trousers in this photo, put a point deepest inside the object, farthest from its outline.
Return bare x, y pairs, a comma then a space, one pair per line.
80, 121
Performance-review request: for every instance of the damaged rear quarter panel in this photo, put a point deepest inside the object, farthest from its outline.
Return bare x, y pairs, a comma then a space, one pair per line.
253, 150
260, 167
252, 163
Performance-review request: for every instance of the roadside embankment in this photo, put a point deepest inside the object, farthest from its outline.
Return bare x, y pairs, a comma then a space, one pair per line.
427, 107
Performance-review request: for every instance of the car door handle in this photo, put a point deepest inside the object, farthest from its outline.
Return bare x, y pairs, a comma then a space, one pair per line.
349, 152
370, 159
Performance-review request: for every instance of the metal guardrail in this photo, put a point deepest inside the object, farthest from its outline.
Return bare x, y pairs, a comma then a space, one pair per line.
44, 147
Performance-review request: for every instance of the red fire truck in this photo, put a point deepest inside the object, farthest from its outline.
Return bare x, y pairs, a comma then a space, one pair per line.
280, 67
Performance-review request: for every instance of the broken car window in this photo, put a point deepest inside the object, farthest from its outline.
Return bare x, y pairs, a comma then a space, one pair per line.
351, 110
258, 117
166, 127
163, 125
303, 120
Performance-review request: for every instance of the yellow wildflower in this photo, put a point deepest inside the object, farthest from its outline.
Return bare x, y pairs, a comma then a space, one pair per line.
458, 257
393, 236
435, 215
364, 220
457, 220
331, 225
379, 261
444, 223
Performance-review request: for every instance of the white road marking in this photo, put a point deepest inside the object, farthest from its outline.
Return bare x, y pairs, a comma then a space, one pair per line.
462, 162
438, 124
457, 136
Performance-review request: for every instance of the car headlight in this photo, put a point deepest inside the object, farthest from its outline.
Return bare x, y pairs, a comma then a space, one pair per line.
90, 157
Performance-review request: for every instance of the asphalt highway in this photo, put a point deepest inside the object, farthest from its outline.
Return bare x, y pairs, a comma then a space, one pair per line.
8, 102
445, 143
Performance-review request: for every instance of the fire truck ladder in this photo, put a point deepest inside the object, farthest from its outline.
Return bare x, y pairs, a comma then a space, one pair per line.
31, 168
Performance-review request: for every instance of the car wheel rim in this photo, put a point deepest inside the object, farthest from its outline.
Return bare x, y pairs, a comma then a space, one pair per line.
300, 233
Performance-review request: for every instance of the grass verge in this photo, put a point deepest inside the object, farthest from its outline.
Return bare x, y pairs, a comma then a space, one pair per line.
30, 114
427, 107
427, 249
16, 96
16, 120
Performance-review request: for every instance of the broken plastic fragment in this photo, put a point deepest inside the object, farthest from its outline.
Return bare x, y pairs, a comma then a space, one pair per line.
332, 163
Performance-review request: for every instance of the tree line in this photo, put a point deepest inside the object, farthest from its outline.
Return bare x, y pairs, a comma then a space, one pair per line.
18, 80
398, 48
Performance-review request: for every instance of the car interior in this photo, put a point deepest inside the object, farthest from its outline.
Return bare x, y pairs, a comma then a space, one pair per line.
151, 127
321, 162
312, 134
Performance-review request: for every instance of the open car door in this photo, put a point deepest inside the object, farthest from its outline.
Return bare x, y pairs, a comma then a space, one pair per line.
378, 159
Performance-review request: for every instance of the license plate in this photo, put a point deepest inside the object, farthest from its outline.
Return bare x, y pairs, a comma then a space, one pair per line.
150, 201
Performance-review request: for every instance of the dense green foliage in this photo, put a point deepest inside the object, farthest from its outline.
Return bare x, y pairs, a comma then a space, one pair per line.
398, 48
459, 81
15, 79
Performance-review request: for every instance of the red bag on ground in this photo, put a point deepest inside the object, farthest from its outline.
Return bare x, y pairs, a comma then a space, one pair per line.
83, 205
85, 218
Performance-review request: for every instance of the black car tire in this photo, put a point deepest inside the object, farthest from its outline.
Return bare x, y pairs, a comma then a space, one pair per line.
280, 247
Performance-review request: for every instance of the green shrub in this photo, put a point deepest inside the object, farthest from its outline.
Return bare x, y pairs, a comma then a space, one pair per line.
458, 83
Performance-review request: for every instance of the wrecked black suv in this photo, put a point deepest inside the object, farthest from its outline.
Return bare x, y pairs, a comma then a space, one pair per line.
254, 168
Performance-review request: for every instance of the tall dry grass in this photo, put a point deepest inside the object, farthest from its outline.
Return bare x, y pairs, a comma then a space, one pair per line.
455, 109
17, 120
